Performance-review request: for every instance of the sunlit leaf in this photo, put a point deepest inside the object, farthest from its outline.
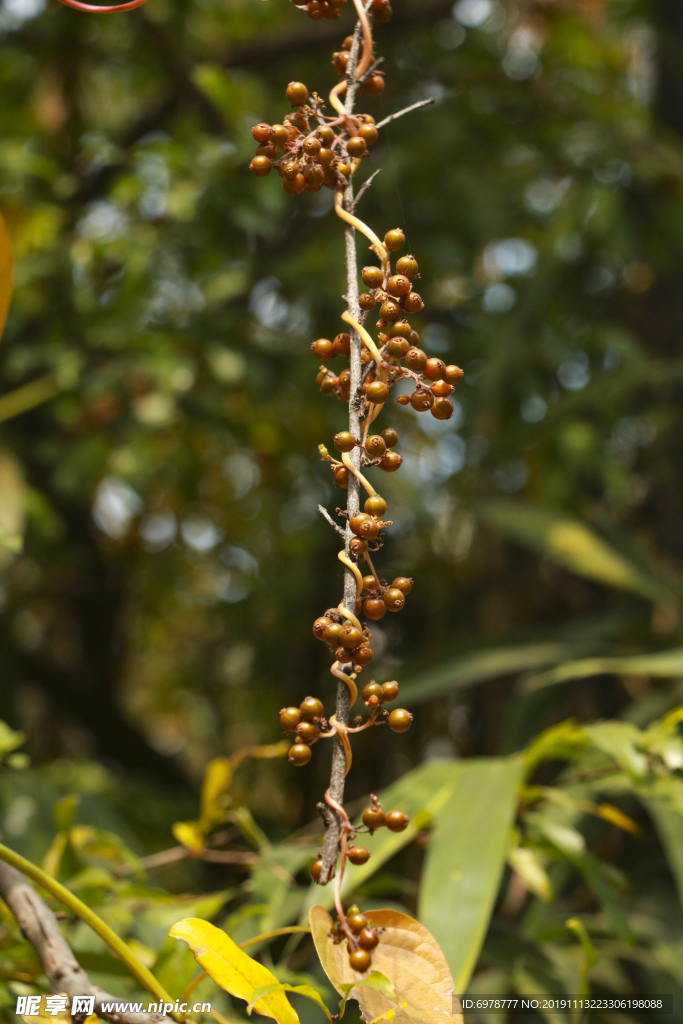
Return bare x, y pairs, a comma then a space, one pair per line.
303, 990
529, 865
407, 955
662, 665
466, 858
232, 969
189, 834
622, 741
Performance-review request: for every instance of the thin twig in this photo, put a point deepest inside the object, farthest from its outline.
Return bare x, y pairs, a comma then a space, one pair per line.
363, 189
406, 110
335, 526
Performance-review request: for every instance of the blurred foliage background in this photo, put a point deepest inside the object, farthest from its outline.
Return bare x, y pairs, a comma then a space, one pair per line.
162, 555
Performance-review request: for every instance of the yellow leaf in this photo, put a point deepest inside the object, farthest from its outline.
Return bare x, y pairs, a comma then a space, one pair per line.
12, 505
233, 969
216, 784
407, 955
6, 264
188, 834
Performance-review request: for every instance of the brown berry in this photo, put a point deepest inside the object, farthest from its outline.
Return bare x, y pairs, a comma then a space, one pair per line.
260, 166
391, 462
400, 720
367, 301
403, 584
374, 608
297, 93
374, 84
442, 409
375, 505
434, 369
441, 388
422, 399
344, 441
389, 691
320, 625
351, 636
356, 922
342, 345
341, 476
368, 938
358, 855
398, 285
326, 135
311, 708
363, 655
377, 392
416, 359
360, 959
307, 732
357, 546
453, 374
329, 384
311, 146
278, 135
343, 654
261, 132
394, 599
322, 349
373, 818
299, 754
413, 303
390, 437
407, 265
375, 446
355, 147
333, 633
316, 871
369, 584
394, 239
372, 689
396, 821
401, 329
368, 133
289, 719
397, 347
390, 310
372, 277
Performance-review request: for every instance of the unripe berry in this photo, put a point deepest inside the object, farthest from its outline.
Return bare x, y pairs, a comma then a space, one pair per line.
372, 277
289, 719
442, 409
369, 584
367, 301
299, 754
441, 388
342, 345
375, 505
279, 135
396, 821
326, 135
358, 855
344, 655
297, 93
344, 441
329, 384
391, 462
372, 689
311, 146
400, 720
401, 329
374, 608
397, 347
311, 708
394, 239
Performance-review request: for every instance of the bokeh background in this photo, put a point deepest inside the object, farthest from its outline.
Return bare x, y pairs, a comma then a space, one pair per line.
159, 424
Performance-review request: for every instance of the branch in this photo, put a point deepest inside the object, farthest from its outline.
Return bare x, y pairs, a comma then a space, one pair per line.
363, 189
65, 975
335, 526
406, 110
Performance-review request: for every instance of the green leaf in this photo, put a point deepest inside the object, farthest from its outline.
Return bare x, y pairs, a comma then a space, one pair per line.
662, 665
303, 990
375, 980
232, 969
12, 506
9, 739
575, 546
466, 858
6, 273
477, 667
669, 825
622, 741
529, 865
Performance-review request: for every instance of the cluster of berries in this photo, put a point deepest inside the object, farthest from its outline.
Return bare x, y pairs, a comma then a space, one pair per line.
313, 155
373, 81
319, 9
305, 721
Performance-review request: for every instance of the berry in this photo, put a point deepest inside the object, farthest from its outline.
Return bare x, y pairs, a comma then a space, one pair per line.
372, 277
299, 754
374, 84
375, 505
394, 599
316, 871
403, 584
416, 359
442, 409
314, 177
279, 135
342, 345
333, 633
390, 310
260, 166
391, 462
344, 168
360, 959
320, 625
368, 938
369, 584
434, 369
364, 525
344, 441
441, 388
375, 446
373, 818
396, 821
341, 476
343, 654
358, 855
453, 374
311, 708
401, 329
307, 732
394, 239
397, 347
357, 546
322, 349
294, 186
297, 93
377, 392
261, 132
402, 400
374, 608
400, 720
356, 922
368, 133
422, 399
351, 637
355, 147
311, 146
389, 691
407, 265
363, 655
398, 285
289, 719
390, 437
329, 384
325, 158
413, 303
326, 135
367, 301
372, 689
352, 910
